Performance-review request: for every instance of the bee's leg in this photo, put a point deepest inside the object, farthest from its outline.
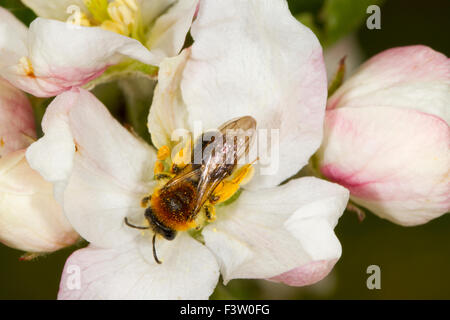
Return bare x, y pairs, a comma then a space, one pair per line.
159, 167
161, 163
163, 175
145, 202
210, 212
227, 188
175, 169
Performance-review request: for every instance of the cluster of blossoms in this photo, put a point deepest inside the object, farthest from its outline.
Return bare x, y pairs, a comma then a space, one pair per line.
382, 139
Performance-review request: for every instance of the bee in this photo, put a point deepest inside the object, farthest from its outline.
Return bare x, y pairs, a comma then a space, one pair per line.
175, 206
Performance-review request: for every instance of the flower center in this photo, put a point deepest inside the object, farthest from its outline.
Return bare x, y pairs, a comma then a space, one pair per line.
26, 66
119, 16
169, 197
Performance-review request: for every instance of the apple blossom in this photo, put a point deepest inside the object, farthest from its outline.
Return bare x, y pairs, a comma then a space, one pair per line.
102, 172
387, 135
30, 219
119, 37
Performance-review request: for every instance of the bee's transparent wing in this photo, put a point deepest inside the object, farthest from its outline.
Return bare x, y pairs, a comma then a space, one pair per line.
220, 154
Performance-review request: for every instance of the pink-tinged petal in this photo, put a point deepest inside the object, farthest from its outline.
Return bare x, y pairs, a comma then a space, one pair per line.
100, 170
30, 219
62, 56
307, 274
394, 161
268, 232
17, 129
273, 72
52, 155
54, 9
188, 271
414, 77
13, 37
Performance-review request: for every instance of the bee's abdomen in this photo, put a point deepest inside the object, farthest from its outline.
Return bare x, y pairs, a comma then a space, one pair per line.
174, 206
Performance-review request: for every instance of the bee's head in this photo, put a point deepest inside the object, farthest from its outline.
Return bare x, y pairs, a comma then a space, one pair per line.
158, 227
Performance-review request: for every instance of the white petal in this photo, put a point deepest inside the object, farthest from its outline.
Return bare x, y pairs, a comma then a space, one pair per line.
52, 155
111, 174
53, 9
63, 56
30, 219
168, 111
107, 176
153, 9
188, 271
17, 129
265, 233
168, 34
254, 58
13, 37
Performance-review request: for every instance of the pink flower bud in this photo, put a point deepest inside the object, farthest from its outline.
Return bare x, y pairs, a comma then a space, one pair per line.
387, 135
16, 119
30, 219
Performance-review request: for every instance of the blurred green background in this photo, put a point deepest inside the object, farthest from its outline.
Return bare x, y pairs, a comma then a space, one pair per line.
414, 261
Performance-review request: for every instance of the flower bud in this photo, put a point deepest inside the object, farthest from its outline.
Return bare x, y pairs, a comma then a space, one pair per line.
16, 119
30, 219
387, 135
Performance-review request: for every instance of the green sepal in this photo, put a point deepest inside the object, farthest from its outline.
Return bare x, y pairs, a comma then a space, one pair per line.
338, 78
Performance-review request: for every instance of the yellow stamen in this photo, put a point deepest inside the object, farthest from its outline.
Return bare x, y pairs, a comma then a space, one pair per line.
77, 17
27, 67
163, 153
159, 167
183, 156
227, 188
83, 20
132, 4
123, 12
145, 202
98, 9
114, 27
2, 142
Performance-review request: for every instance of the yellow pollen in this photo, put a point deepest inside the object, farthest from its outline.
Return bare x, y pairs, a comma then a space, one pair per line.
77, 17
123, 13
114, 27
183, 156
132, 4
27, 67
2, 142
163, 153
159, 167
227, 188
119, 16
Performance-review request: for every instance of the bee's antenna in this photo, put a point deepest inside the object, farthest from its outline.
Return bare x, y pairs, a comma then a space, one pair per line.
133, 226
154, 250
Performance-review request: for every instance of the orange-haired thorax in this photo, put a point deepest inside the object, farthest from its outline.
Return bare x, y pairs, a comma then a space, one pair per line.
174, 206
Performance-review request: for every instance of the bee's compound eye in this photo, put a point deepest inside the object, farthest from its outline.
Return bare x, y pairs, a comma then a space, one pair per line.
158, 226
169, 234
